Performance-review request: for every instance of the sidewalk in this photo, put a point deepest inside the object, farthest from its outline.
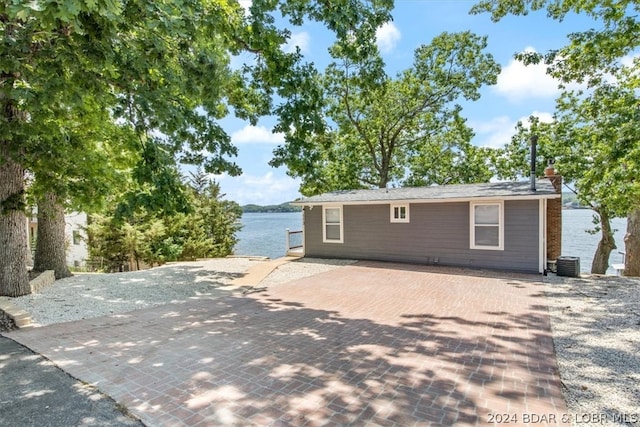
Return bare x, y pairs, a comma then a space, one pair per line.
262, 269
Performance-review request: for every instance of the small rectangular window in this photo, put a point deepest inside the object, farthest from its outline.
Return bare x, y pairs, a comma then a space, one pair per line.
332, 224
487, 230
76, 237
399, 213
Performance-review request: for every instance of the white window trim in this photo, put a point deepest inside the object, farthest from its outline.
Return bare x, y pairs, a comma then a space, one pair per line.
392, 211
324, 224
472, 225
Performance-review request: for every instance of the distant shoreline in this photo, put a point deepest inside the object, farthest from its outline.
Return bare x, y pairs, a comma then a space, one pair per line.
281, 208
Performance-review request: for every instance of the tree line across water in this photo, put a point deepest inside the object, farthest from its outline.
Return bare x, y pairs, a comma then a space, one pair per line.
283, 207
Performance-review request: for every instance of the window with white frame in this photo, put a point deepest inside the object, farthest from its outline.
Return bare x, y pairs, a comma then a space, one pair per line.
332, 224
399, 213
487, 225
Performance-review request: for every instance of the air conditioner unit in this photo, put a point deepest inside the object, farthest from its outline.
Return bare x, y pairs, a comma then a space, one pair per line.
568, 266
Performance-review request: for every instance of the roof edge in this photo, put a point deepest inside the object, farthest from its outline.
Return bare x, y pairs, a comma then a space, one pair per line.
443, 200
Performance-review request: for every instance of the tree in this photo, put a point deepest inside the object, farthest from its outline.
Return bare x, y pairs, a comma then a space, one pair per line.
13, 225
213, 225
49, 254
206, 230
578, 154
451, 159
600, 59
159, 69
93, 159
381, 126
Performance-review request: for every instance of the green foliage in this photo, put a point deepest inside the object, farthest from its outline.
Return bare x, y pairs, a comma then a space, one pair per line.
591, 55
603, 128
594, 138
383, 128
102, 79
111, 245
451, 159
207, 230
595, 134
102, 95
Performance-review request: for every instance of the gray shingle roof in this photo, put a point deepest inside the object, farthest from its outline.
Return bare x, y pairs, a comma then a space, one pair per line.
500, 190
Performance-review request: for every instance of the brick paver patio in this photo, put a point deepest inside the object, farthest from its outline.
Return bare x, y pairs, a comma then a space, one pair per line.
370, 344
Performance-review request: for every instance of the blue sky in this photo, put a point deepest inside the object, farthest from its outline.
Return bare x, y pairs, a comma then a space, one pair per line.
520, 92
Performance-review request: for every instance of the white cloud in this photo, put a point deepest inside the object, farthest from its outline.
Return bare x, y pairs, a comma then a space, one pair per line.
246, 5
518, 81
494, 133
542, 115
298, 39
629, 60
387, 37
497, 132
256, 135
267, 189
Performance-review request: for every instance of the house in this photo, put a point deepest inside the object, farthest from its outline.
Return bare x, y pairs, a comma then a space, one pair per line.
503, 225
75, 238
75, 232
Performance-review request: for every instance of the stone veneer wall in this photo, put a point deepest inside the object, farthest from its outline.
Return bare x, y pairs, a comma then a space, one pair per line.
45, 279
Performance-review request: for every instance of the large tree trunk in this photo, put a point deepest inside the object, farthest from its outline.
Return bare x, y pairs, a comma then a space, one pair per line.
50, 244
632, 244
606, 245
14, 279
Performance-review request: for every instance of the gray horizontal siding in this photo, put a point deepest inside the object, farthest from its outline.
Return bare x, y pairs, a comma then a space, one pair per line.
437, 234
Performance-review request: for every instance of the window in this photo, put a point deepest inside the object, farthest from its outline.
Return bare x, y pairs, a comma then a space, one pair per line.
76, 237
332, 224
399, 213
486, 226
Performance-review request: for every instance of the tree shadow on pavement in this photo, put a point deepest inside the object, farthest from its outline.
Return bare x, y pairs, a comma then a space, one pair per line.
34, 392
282, 357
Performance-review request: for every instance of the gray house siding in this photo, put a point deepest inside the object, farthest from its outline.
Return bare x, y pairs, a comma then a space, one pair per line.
438, 233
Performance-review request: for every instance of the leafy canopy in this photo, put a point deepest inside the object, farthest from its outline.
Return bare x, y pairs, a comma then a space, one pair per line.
379, 128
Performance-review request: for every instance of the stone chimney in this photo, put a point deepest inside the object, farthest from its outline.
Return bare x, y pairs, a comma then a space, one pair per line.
554, 215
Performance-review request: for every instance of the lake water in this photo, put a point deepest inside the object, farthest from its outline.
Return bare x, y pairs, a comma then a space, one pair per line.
263, 234
577, 242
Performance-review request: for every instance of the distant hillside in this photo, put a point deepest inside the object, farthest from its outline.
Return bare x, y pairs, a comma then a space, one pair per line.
570, 201
284, 207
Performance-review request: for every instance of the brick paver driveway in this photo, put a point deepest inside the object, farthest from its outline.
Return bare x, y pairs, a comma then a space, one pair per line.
366, 344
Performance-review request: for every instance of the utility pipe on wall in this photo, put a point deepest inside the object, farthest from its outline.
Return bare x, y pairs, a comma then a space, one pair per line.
534, 147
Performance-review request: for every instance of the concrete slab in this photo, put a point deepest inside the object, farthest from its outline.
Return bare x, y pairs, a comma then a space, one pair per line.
260, 270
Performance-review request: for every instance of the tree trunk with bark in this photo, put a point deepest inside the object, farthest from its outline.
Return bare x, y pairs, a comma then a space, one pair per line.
606, 245
50, 244
632, 244
14, 279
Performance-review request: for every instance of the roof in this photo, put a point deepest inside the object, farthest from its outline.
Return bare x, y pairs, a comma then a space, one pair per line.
493, 190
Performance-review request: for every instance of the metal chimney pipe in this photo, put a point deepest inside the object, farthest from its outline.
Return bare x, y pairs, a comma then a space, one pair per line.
534, 147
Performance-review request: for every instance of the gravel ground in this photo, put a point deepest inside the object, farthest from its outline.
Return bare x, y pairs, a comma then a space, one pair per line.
595, 321
84, 296
596, 333
301, 268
